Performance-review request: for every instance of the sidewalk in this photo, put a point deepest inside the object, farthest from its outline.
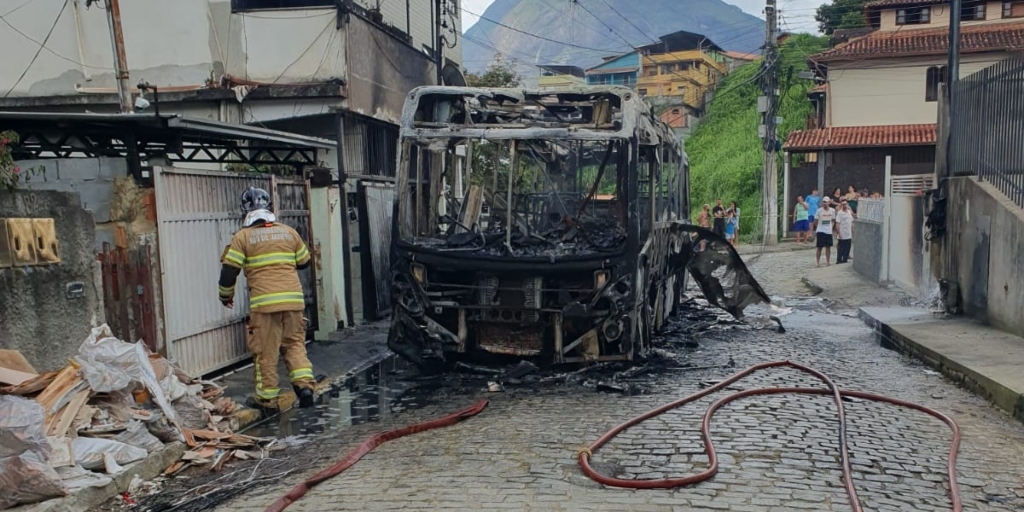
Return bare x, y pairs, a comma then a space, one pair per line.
982, 359
347, 353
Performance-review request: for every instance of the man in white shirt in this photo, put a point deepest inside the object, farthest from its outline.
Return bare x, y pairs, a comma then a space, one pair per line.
844, 227
824, 220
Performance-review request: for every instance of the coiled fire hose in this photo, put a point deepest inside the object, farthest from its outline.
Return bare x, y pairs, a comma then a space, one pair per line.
709, 447
368, 446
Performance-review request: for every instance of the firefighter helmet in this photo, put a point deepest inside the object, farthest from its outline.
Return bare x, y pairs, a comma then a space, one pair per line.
255, 199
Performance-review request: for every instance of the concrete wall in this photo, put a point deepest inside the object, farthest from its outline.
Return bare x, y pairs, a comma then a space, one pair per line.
184, 43
91, 178
983, 252
36, 315
867, 250
889, 91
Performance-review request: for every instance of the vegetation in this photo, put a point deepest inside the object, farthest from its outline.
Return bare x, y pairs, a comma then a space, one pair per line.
10, 172
499, 73
841, 14
725, 151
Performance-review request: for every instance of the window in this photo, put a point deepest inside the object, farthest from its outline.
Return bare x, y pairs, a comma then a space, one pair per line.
914, 16
934, 76
675, 111
252, 5
642, 92
972, 10
667, 69
1013, 8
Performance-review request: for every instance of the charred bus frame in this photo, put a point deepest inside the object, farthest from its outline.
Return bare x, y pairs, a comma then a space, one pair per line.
545, 224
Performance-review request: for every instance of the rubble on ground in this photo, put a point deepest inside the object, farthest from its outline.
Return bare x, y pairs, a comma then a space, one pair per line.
112, 405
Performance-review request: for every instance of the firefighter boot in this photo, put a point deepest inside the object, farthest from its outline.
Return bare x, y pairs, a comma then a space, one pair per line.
305, 395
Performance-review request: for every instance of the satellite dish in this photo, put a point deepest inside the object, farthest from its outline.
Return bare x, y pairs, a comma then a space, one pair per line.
451, 75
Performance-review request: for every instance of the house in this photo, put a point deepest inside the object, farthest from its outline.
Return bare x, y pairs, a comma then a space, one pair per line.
879, 91
327, 70
678, 72
736, 59
554, 76
621, 70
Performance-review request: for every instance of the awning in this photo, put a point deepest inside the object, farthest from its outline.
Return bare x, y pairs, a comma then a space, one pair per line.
850, 137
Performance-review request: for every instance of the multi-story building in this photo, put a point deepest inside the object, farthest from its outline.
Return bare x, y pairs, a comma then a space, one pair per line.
555, 76
880, 89
676, 74
334, 69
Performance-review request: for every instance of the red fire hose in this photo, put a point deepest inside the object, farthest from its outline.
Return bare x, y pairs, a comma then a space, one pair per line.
709, 447
366, 447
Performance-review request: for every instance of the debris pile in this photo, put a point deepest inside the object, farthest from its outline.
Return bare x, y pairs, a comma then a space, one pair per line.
113, 404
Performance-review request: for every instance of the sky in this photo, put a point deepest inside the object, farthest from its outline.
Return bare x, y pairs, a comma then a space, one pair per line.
795, 15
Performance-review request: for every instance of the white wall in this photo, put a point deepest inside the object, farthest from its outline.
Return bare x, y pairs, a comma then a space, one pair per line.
420, 13
886, 92
940, 18
180, 43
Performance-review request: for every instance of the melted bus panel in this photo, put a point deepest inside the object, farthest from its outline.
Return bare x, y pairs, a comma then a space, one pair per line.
549, 225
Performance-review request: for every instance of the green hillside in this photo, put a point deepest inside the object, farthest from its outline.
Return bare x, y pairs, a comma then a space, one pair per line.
725, 151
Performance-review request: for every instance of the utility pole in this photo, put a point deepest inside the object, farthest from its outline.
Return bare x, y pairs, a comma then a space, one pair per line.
438, 41
768, 106
952, 77
124, 88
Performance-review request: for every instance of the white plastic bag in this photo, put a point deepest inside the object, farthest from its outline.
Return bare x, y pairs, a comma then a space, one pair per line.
89, 452
22, 427
25, 476
137, 435
109, 364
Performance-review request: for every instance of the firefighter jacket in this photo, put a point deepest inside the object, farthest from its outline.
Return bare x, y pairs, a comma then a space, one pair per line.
269, 254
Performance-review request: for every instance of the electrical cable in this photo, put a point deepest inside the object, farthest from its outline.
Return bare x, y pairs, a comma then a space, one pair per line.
38, 50
602, 50
837, 394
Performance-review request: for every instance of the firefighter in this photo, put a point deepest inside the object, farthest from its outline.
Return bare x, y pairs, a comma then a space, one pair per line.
269, 253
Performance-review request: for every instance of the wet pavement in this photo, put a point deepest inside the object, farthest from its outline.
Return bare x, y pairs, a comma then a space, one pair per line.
776, 452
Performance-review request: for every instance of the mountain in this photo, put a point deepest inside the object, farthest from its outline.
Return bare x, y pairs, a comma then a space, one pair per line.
548, 32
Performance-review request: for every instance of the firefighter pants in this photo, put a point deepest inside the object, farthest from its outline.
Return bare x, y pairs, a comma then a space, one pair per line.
277, 334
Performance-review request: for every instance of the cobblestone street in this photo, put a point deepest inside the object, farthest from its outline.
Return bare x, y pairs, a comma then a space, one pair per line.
776, 452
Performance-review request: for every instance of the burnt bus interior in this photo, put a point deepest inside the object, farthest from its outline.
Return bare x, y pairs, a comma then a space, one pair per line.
520, 221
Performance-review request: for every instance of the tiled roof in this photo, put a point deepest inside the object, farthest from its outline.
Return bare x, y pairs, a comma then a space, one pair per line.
817, 88
741, 55
862, 137
905, 43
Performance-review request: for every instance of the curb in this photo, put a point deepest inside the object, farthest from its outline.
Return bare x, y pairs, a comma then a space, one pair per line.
998, 393
147, 469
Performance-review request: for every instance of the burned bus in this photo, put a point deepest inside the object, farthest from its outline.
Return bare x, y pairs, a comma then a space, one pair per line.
550, 225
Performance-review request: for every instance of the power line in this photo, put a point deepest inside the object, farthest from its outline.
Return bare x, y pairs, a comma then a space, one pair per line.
38, 50
42, 44
500, 24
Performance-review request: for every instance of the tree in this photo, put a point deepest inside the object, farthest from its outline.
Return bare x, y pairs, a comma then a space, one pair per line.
841, 14
499, 73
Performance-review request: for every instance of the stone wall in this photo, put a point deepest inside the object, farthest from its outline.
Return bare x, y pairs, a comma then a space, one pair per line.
46, 310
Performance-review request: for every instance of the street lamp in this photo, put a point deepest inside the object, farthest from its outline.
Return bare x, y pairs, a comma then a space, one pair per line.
141, 103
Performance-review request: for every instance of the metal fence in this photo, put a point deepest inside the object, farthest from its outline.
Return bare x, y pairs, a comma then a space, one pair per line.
987, 126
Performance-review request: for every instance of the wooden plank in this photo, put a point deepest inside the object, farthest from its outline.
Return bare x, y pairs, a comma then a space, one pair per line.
59, 423
14, 360
62, 384
14, 377
124, 296
34, 385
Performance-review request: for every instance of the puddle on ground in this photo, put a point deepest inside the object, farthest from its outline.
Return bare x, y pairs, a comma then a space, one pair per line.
375, 393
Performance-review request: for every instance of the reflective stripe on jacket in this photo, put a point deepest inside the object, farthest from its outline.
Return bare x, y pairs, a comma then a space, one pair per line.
268, 255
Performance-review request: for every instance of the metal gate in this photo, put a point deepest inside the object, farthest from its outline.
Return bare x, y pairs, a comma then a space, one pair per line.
377, 202
198, 213
905, 214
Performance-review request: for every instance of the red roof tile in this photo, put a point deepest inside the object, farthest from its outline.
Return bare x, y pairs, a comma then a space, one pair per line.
862, 137
905, 43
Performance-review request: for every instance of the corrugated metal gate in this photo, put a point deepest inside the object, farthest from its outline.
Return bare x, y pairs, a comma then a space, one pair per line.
198, 213
377, 202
